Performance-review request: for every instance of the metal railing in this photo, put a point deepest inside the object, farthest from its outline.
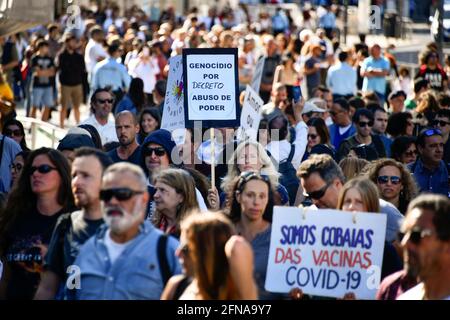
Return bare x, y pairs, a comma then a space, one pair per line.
36, 126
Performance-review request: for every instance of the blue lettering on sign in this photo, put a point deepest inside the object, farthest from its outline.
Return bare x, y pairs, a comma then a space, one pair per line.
298, 235
338, 237
321, 278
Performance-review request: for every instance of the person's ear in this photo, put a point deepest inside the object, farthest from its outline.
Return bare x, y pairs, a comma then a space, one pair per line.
238, 197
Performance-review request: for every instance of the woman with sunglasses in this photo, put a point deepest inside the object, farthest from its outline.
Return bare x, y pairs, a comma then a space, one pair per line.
249, 156
318, 139
217, 263
17, 166
404, 149
42, 194
14, 129
394, 182
149, 121
251, 210
361, 195
174, 198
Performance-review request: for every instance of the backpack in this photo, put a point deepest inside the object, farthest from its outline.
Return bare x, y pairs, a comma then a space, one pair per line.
288, 176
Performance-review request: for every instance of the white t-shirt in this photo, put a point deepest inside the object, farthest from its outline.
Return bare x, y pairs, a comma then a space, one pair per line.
416, 293
107, 132
114, 249
94, 51
343, 130
147, 71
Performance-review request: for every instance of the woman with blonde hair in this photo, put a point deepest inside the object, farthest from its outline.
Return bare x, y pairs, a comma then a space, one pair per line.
174, 198
394, 181
352, 166
251, 156
221, 262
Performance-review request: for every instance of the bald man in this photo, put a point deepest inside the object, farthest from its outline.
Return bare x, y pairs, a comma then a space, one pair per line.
127, 128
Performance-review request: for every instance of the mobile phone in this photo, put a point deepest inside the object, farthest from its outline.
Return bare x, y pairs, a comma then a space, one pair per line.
296, 93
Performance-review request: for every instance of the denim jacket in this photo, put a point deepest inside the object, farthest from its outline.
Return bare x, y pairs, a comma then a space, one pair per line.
135, 275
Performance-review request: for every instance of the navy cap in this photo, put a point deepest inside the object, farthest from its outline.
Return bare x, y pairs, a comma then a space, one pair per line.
161, 137
75, 141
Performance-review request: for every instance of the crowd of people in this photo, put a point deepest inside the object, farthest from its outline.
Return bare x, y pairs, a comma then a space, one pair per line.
120, 211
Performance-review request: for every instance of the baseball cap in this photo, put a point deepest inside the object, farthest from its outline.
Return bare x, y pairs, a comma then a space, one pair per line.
311, 107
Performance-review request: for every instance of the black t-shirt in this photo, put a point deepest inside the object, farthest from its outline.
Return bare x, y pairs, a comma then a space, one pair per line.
27, 244
43, 63
435, 77
71, 68
135, 157
71, 232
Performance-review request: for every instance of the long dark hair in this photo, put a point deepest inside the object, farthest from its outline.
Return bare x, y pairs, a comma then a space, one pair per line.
22, 200
15, 122
136, 93
235, 209
321, 129
154, 113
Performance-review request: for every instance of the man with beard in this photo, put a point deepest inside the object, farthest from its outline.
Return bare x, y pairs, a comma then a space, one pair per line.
127, 127
74, 229
426, 242
126, 259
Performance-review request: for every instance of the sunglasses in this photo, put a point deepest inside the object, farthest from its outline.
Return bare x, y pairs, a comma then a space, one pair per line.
15, 133
44, 169
411, 153
160, 151
415, 236
16, 167
101, 101
250, 175
318, 194
441, 123
312, 136
385, 179
362, 124
121, 194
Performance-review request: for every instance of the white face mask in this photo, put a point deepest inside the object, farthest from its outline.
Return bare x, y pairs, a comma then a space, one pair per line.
123, 222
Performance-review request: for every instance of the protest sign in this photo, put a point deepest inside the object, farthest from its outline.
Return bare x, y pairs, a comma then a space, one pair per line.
173, 115
211, 87
250, 116
326, 252
257, 76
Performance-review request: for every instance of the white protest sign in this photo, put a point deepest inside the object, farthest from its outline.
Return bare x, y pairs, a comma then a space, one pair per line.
257, 75
211, 84
326, 252
250, 116
173, 115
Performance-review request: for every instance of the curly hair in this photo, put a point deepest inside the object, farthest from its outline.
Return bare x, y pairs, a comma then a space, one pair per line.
409, 191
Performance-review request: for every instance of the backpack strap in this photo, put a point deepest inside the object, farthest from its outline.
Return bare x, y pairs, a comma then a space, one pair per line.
1, 149
182, 285
291, 154
164, 267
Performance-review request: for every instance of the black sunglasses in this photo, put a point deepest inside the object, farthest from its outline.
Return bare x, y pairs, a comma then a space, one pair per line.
312, 136
362, 124
15, 133
250, 175
318, 194
160, 151
103, 101
121, 194
441, 123
44, 169
16, 167
411, 153
385, 179
415, 236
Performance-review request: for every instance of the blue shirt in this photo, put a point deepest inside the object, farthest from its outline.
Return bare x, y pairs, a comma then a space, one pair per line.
377, 84
10, 150
110, 73
135, 275
328, 20
387, 144
126, 105
341, 79
430, 181
336, 138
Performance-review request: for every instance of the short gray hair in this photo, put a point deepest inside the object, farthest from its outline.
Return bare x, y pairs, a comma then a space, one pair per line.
126, 167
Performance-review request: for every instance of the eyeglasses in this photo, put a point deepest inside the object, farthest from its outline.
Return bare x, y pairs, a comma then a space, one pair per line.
318, 194
121, 194
385, 179
15, 133
362, 124
103, 101
160, 151
312, 136
441, 123
17, 167
44, 169
411, 153
415, 236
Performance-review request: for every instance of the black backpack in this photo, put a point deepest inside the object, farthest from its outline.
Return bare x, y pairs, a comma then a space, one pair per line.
288, 176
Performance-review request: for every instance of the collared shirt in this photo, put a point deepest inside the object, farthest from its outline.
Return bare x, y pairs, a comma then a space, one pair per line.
435, 181
280, 150
110, 73
377, 84
341, 79
107, 132
134, 275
